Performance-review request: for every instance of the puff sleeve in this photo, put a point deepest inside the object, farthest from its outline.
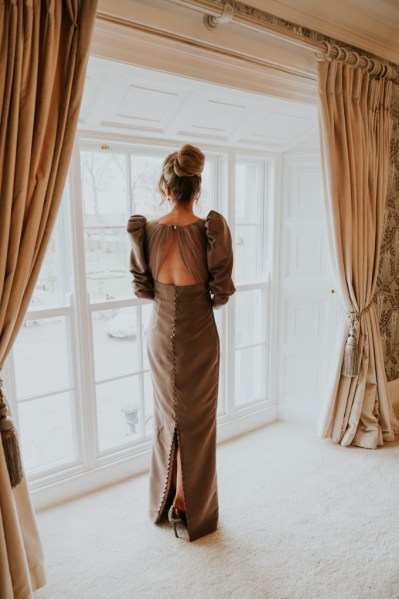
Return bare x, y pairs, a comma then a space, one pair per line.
219, 258
142, 282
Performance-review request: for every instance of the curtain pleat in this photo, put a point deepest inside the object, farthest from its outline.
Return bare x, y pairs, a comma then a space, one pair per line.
355, 134
44, 48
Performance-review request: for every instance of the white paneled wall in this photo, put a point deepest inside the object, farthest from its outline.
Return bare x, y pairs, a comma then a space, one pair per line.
307, 301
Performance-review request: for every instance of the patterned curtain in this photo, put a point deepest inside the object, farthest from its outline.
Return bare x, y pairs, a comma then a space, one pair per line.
387, 297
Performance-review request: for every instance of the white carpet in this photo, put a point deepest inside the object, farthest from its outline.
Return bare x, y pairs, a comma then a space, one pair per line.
300, 518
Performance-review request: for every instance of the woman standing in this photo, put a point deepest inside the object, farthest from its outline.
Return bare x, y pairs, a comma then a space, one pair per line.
184, 264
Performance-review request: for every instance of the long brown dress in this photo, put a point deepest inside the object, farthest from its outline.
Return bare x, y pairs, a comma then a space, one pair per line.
183, 351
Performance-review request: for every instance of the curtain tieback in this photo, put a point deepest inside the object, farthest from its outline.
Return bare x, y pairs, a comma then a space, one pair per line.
350, 365
10, 442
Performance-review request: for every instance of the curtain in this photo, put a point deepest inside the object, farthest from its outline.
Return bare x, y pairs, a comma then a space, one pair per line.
44, 47
355, 134
387, 296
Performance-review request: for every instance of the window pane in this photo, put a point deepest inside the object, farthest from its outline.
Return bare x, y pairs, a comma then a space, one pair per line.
107, 263
249, 229
250, 374
46, 431
145, 174
205, 202
104, 188
118, 412
250, 317
104, 191
115, 342
248, 189
53, 284
41, 356
246, 253
146, 312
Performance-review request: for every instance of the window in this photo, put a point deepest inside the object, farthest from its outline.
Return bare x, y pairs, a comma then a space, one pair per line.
44, 379
79, 370
251, 266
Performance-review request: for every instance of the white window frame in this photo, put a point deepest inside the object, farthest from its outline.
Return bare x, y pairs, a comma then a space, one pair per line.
93, 468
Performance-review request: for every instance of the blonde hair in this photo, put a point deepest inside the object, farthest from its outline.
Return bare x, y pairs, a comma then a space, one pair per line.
181, 171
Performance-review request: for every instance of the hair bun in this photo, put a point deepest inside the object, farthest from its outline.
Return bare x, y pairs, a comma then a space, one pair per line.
189, 161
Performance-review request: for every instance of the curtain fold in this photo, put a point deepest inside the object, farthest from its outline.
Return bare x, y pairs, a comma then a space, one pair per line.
354, 119
44, 48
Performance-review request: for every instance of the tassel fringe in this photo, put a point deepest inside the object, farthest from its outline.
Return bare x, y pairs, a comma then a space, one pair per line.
9, 439
12, 456
350, 366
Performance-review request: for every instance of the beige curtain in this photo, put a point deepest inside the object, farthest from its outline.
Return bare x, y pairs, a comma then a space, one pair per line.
44, 47
355, 134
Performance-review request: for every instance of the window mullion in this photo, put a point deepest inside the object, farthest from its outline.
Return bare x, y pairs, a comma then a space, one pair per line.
82, 319
263, 229
229, 328
65, 284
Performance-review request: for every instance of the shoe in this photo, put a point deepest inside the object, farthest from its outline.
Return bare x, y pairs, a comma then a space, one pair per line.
175, 517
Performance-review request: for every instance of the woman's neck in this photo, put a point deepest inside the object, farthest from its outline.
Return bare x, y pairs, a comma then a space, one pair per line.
182, 210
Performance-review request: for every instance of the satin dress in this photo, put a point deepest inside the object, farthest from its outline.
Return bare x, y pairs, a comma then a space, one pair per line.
184, 352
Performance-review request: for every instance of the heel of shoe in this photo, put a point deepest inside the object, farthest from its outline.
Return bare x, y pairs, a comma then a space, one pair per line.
175, 529
175, 517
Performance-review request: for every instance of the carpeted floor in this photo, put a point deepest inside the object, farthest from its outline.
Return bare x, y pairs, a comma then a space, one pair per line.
300, 518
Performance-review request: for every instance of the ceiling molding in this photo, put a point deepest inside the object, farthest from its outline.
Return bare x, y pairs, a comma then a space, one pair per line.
272, 25
176, 41
371, 25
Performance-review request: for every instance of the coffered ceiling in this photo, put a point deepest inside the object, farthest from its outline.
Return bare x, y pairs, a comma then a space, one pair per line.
136, 102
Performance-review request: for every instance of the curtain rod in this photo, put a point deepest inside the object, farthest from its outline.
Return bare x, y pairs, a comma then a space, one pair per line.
109, 18
220, 12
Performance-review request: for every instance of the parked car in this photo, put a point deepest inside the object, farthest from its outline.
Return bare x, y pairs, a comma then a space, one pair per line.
121, 326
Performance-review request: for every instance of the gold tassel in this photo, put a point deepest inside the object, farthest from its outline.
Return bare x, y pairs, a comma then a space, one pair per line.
350, 365
10, 443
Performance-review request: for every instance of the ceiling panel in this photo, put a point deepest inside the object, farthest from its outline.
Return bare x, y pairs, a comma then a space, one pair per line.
139, 102
146, 103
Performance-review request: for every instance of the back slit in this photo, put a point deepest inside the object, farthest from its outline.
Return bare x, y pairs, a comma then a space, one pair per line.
171, 477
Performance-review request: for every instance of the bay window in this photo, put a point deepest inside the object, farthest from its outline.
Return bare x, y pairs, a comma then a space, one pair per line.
78, 375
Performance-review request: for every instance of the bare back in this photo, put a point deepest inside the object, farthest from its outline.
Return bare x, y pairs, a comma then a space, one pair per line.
172, 269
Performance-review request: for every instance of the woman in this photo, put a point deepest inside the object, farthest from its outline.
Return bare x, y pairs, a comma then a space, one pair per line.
184, 264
